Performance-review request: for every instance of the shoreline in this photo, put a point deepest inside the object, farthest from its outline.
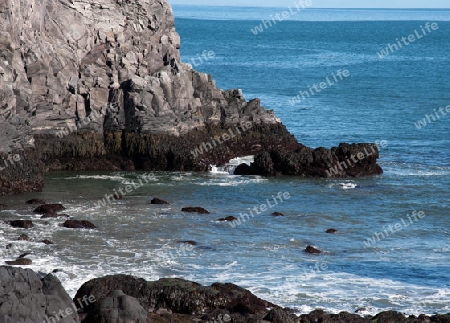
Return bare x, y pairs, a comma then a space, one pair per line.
125, 297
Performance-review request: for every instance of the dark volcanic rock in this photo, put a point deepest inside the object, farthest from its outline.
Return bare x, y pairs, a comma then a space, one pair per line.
35, 201
277, 214
79, 224
24, 237
49, 208
158, 201
312, 250
177, 296
228, 218
346, 160
321, 316
25, 224
19, 262
331, 230
122, 298
195, 209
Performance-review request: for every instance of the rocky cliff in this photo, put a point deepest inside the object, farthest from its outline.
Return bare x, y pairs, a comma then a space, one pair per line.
100, 85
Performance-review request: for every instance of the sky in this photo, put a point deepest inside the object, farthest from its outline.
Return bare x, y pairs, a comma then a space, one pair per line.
323, 3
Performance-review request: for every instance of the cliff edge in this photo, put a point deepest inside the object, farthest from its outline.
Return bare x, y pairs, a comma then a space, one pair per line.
101, 86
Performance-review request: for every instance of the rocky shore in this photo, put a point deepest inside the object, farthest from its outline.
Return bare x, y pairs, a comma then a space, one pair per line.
101, 86
30, 297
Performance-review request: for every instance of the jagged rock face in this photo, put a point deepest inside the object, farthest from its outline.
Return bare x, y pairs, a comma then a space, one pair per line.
25, 297
100, 86
103, 66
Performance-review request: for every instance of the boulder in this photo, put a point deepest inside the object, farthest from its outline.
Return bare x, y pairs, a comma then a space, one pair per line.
24, 224
158, 201
195, 209
331, 230
49, 208
24, 237
228, 218
79, 224
312, 250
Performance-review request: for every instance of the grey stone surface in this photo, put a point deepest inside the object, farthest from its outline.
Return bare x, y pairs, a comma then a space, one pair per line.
25, 298
103, 65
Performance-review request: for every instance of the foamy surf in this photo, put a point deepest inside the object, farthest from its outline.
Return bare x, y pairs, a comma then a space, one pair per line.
231, 165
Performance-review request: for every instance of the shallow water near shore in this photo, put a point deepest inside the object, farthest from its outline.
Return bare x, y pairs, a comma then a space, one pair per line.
407, 270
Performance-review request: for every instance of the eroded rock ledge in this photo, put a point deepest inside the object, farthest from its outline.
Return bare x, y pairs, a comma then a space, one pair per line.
100, 85
32, 298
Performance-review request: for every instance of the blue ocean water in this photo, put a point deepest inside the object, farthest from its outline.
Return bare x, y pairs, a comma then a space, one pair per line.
405, 265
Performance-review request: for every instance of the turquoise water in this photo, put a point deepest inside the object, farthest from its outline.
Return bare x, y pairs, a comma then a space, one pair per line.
407, 270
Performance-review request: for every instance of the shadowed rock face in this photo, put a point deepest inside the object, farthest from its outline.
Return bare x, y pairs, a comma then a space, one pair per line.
100, 85
25, 297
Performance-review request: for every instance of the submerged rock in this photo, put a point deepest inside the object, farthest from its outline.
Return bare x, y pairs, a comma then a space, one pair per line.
331, 230
25, 224
24, 237
312, 250
49, 208
158, 201
228, 218
195, 209
79, 224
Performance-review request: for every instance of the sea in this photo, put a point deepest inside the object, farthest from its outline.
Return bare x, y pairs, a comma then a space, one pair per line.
331, 76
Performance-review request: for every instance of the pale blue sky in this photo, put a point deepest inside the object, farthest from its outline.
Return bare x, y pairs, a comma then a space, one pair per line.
324, 3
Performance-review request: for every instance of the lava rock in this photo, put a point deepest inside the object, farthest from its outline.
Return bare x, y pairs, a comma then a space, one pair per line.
158, 201
195, 209
79, 224
312, 250
24, 237
46, 241
24, 224
228, 218
49, 208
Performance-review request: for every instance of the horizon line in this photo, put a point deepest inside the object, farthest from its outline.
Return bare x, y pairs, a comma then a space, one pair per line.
351, 8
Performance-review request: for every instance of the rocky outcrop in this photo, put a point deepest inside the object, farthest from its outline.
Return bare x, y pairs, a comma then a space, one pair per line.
100, 86
79, 224
26, 297
346, 160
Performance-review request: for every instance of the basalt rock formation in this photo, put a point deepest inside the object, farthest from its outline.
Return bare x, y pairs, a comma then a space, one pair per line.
26, 296
101, 86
